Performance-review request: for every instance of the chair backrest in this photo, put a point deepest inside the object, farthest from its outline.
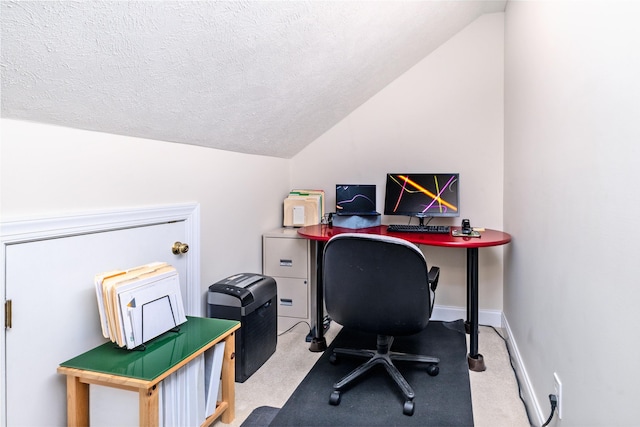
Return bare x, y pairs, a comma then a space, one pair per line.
376, 284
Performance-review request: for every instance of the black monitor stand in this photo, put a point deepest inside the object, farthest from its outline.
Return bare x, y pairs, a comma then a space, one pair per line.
421, 218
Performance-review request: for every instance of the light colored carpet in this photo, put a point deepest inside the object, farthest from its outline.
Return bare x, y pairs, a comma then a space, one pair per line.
494, 392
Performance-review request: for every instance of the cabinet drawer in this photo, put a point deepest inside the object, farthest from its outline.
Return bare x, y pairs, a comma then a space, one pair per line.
285, 257
292, 297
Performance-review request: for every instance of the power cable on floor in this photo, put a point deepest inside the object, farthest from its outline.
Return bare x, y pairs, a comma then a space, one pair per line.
513, 368
296, 324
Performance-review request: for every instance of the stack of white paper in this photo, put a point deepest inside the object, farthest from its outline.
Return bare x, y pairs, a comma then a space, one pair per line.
181, 401
212, 371
189, 395
139, 304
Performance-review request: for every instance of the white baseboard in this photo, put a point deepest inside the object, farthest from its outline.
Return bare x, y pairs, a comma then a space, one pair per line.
448, 314
533, 406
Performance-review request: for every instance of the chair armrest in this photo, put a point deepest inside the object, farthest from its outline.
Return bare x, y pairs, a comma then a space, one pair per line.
434, 276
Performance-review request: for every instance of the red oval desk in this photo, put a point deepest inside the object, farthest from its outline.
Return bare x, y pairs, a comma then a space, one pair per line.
322, 233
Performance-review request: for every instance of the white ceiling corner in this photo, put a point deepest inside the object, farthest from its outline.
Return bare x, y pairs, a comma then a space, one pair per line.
260, 77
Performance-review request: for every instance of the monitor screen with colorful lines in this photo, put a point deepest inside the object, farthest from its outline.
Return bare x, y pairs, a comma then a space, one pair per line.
356, 199
422, 194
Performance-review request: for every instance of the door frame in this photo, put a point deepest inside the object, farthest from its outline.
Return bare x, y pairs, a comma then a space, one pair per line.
44, 228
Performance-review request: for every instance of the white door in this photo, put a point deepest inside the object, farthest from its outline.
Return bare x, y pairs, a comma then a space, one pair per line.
54, 308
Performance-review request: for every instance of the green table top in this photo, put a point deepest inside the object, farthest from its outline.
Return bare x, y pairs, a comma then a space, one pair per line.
161, 353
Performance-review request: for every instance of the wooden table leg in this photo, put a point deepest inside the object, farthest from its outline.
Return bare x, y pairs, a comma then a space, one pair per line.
77, 402
228, 378
149, 407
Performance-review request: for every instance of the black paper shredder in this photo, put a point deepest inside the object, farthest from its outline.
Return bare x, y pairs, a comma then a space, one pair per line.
251, 299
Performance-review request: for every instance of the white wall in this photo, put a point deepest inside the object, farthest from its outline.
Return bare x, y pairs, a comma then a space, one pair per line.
443, 115
49, 170
572, 145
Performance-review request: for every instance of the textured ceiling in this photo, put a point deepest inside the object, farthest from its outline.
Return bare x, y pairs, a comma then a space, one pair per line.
257, 77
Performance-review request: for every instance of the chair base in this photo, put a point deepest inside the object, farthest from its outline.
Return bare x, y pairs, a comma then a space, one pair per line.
382, 356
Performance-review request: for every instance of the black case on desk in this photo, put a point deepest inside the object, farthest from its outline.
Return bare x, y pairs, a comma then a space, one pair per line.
251, 299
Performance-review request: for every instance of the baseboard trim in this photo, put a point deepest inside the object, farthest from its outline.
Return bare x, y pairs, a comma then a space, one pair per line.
532, 404
449, 313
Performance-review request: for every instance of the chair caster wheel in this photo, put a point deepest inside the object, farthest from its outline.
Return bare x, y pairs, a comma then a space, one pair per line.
433, 370
408, 408
333, 359
334, 399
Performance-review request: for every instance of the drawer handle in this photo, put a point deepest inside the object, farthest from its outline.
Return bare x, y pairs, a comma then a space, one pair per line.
286, 263
286, 301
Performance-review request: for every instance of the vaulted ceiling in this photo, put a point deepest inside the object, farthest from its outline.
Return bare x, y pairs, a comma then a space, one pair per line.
262, 77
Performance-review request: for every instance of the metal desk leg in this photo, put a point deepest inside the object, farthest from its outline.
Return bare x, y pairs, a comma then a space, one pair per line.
475, 360
467, 323
318, 341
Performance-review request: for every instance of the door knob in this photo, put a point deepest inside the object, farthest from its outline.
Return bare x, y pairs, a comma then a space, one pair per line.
180, 248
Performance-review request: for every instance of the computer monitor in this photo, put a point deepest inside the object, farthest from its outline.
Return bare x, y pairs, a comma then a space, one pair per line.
356, 199
422, 195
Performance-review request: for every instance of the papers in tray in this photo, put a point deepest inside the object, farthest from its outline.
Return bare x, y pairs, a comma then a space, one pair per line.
303, 207
139, 304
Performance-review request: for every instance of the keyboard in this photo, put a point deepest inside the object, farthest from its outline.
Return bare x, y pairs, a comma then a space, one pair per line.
431, 229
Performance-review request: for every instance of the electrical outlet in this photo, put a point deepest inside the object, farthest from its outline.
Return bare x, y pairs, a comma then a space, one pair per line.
557, 385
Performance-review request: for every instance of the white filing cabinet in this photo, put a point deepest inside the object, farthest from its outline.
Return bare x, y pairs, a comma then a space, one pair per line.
288, 258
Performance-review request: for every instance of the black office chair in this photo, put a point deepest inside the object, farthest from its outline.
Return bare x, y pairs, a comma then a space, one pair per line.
381, 285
